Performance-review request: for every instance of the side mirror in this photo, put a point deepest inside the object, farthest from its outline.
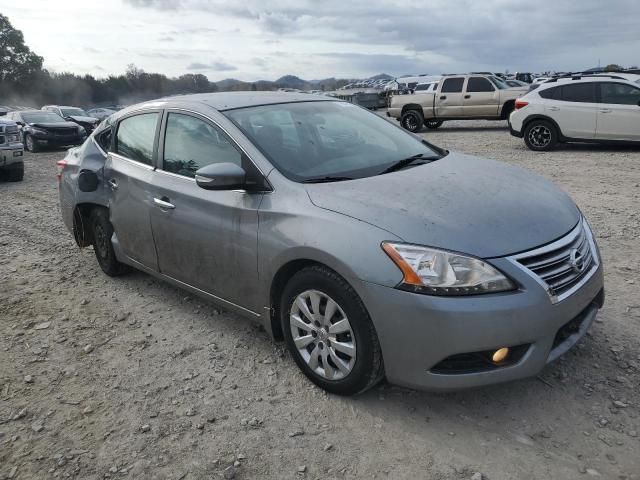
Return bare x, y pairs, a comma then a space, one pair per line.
221, 176
20, 123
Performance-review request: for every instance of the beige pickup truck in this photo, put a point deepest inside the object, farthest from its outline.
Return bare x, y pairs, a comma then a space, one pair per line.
458, 97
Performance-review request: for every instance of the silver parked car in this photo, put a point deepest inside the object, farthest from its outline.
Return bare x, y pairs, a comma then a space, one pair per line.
369, 251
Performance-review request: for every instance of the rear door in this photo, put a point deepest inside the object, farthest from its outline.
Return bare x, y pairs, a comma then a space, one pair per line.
448, 100
574, 108
618, 112
128, 172
481, 98
204, 238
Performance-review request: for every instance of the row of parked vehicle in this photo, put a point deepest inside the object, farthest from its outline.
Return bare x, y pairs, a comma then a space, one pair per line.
596, 108
50, 127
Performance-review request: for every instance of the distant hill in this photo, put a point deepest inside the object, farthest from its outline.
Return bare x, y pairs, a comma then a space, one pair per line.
292, 81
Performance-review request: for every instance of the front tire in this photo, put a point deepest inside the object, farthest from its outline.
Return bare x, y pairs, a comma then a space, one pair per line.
329, 333
30, 144
433, 124
540, 136
102, 230
412, 120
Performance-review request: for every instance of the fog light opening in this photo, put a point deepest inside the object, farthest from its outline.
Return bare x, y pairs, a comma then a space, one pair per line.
500, 355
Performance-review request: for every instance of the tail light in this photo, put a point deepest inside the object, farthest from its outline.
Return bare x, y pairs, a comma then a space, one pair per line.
60, 164
521, 104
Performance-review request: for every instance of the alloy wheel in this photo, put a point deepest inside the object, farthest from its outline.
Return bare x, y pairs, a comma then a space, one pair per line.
410, 123
540, 136
322, 335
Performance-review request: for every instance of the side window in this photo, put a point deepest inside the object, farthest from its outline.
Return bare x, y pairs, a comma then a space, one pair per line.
580, 92
549, 93
135, 137
191, 143
619, 94
104, 139
452, 85
479, 84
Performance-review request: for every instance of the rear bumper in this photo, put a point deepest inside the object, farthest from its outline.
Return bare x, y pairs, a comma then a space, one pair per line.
11, 155
515, 132
418, 332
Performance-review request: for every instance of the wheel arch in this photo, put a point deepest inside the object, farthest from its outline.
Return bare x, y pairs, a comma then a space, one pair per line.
279, 282
412, 106
531, 118
507, 108
82, 224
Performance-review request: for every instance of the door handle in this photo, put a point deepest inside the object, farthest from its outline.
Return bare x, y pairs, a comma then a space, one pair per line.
443, 97
113, 184
164, 203
467, 96
605, 110
554, 109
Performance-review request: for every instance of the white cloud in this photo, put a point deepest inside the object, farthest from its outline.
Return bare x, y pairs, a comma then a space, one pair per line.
314, 39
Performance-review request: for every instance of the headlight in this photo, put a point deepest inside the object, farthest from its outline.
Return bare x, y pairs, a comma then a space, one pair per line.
438, 272
37, 131
81, 130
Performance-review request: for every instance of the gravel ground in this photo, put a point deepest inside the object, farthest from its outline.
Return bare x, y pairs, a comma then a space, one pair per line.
132, 378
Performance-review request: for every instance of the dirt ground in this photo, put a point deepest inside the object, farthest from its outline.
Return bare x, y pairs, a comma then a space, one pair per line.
132, 378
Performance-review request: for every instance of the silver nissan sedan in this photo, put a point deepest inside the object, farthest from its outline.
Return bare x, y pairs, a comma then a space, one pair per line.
371, 252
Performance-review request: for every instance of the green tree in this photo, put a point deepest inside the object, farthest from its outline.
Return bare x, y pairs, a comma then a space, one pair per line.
17, 62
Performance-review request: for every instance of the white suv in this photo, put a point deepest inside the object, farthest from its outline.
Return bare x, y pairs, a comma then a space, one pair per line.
583, 108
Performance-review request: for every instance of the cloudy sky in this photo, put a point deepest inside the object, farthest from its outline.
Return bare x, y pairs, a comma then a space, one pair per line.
264, 39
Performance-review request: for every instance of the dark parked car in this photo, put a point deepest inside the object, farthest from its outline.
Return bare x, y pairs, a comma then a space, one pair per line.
46, 129
371, 252
74, 114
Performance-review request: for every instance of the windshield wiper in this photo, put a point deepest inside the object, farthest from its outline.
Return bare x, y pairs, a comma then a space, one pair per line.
327, 179
406, 162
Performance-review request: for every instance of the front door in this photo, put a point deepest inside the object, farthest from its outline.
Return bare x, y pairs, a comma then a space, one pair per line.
448, 101
128, 172
205, 239
481, 99
618, 112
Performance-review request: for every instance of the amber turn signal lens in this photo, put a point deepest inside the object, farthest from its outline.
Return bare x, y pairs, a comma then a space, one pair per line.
500, 355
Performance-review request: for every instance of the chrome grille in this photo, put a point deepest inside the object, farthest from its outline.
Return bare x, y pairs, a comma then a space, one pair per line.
11, 129
561, 265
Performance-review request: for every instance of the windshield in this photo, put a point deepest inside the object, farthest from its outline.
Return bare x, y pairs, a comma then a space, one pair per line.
498, 83
311, 140
73, 112
42, 117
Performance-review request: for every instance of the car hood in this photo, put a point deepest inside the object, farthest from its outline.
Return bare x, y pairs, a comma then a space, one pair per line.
83, 119
462, 203
54, 124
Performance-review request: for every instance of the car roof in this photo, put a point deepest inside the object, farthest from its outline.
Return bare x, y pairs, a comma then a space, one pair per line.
585, 79
223, 101
232, 100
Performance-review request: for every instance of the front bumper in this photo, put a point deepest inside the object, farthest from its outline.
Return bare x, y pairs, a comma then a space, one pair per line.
59, 140
11, 154
417, 332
